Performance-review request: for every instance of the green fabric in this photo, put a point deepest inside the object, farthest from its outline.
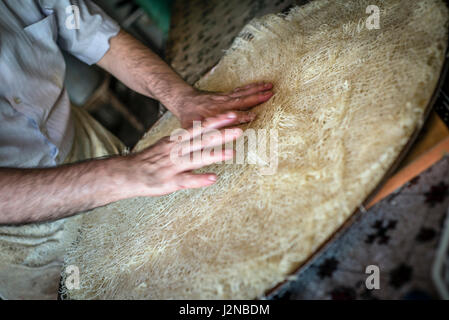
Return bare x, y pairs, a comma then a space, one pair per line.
159, 11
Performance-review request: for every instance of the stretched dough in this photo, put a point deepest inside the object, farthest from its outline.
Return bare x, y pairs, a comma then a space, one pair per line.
347, 99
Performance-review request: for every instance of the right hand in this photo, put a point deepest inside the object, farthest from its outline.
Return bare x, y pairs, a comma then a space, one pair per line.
167, 166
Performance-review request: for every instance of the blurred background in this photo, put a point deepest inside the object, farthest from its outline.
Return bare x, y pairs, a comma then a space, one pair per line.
125, 113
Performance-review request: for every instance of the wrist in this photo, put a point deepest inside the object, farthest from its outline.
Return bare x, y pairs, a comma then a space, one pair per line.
118, 183
180, 99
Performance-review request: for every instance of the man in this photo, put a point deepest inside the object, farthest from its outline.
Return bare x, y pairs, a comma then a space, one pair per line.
43, 139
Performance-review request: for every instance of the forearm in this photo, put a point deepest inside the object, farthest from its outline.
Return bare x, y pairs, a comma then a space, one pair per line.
32, 195
143, 71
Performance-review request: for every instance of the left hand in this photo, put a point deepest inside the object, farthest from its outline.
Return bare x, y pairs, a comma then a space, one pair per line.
199, 105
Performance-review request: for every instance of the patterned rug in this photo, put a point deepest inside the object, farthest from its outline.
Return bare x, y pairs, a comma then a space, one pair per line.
399, 235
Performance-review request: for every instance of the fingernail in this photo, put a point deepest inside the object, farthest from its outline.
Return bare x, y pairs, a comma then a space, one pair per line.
268, 85
229, 153
212, 178
265, 95
232, 115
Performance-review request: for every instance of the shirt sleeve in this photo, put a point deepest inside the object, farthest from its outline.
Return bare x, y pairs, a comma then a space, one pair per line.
84, 29
22, 145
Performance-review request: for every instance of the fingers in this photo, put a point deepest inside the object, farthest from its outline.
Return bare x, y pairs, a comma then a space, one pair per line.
249, 95
220, 121
217, 122
232, 118
208, 136
246, 102
244, 117
254, 84
188, 180
248, 86
251, 89
210, 139
203, 158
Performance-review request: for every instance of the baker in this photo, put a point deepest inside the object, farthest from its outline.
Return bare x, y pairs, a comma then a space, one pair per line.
56, 161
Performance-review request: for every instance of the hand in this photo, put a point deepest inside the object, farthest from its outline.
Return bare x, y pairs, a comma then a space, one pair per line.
199, 105
167, 166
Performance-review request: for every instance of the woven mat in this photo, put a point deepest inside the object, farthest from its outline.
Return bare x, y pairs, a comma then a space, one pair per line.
399, 234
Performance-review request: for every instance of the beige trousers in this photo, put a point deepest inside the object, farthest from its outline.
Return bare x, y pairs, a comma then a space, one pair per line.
31, 255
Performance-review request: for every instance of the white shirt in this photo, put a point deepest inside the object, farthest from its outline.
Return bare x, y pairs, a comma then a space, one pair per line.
35, 124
